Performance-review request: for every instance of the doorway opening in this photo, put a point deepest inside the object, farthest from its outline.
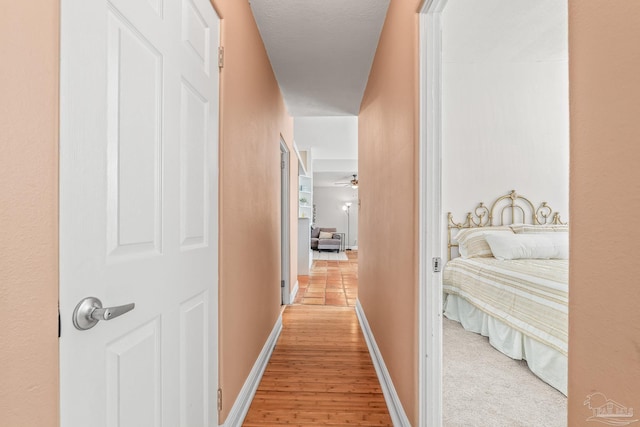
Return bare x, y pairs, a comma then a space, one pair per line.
285, 241
465, 89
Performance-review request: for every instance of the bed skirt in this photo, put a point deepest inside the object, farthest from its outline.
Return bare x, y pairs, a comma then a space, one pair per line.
545, 362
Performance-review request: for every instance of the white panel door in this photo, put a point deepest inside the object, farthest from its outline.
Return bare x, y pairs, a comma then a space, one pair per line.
138, 211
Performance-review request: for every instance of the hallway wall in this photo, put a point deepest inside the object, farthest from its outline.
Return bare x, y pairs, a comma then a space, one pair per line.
604, 320
253, 116
388, 174
29, 213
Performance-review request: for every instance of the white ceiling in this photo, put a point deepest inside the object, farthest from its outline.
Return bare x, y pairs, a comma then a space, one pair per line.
333, 142
330, 137
321, 51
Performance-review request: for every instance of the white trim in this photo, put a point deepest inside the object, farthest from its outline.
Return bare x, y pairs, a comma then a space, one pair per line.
396, 411
245, 397
432, 6
294, 292
430, 205
285, 223
300, 162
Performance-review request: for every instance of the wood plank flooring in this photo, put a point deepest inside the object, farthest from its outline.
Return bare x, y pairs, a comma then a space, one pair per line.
320, 374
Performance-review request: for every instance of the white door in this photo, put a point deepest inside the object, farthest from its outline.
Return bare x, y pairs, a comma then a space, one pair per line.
138, 211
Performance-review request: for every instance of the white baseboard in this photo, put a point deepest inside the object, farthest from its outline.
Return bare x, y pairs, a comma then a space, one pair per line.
396, 411
245, 397
294, 292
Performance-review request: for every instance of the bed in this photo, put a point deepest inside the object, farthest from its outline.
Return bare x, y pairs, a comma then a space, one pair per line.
510, 282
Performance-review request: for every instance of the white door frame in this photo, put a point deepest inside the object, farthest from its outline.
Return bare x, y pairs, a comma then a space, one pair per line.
285, 223
430, 205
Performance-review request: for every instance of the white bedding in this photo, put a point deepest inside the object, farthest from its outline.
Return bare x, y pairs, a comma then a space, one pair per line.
521, 305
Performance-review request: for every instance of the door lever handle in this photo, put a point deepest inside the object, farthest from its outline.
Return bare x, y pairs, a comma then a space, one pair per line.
111, 312
89, 312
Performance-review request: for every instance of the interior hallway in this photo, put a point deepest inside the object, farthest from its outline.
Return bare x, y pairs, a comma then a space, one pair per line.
321, 372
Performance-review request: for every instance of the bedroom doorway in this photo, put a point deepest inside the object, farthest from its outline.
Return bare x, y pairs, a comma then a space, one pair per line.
530, 42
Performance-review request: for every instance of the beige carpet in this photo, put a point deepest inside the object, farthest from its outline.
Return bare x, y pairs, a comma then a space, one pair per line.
484, 388
329, 256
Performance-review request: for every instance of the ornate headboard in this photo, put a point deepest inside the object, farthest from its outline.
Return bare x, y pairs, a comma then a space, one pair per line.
509, 209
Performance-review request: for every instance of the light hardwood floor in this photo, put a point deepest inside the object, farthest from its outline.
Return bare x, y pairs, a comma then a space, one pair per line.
320, 373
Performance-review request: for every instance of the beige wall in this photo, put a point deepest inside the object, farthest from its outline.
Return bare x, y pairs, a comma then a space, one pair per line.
604, 314
604, 318
253, 117
29, 213
387, 156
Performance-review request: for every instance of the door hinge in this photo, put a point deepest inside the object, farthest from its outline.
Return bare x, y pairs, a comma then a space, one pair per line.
282, 164
219, 400
221, 57
59, 324
282, 283
437, 264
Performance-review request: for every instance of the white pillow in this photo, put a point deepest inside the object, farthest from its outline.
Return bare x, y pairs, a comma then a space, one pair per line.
472, 242
325, 235
544, 228
529, 246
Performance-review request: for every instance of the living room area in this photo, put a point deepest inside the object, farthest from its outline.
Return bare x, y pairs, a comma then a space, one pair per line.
328, 207
335, 220
328, 188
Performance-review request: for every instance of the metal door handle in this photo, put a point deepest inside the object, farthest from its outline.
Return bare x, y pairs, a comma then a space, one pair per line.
89, 312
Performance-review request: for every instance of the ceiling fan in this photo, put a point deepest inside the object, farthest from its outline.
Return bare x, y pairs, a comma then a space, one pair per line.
353, 183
